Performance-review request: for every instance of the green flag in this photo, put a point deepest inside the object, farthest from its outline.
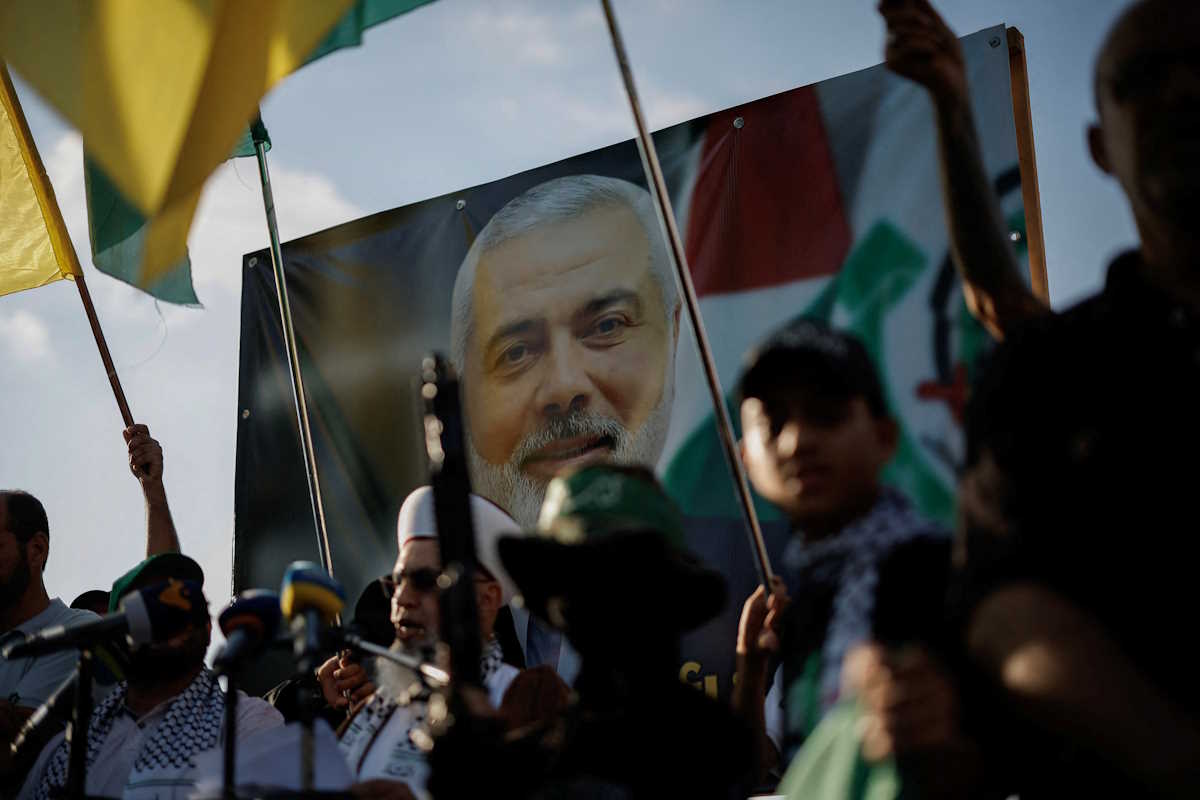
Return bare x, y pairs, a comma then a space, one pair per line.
117, 229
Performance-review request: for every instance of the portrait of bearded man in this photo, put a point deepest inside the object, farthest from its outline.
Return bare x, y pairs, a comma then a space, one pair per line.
564, 332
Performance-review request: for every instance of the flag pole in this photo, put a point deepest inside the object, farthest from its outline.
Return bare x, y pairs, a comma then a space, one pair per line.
259, 135
60, 240
658, 188
102, 346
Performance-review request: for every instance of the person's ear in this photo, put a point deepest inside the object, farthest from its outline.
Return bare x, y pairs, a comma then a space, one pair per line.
491, 598
1095, 140
37, 551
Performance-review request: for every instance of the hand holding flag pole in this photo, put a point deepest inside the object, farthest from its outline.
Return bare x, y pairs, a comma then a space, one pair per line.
666, 216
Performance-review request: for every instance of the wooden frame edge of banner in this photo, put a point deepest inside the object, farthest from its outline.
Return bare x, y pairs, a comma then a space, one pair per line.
1027, 163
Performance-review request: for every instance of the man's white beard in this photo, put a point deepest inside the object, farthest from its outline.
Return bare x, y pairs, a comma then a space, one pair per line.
395, 680
521, 495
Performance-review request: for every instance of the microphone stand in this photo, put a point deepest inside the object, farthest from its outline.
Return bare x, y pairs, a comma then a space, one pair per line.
229, 787
76, 787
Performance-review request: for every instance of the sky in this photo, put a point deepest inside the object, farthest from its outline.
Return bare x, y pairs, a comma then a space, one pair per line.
457, 93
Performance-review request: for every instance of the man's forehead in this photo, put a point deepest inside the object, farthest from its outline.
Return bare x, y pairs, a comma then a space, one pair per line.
418, 552
596, 251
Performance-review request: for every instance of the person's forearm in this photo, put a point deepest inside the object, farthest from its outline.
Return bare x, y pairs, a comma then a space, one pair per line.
160, 528
748, 697
979, 242
1070, 677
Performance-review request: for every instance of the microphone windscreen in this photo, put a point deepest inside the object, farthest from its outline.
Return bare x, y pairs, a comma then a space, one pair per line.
307, 587
255, 611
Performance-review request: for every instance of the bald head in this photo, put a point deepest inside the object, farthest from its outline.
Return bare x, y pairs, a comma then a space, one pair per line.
1146, 34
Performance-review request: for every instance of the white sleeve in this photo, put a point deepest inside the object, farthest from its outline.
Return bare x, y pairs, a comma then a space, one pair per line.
773, 710
255, 715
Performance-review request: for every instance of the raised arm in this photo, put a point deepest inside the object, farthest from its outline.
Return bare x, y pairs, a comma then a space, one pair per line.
757, 642
146, 463
922, 48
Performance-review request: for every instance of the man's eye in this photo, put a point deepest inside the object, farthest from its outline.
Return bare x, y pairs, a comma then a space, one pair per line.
515, 353
608, 326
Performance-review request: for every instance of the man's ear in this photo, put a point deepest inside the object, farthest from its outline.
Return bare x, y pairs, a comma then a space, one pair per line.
37, 551
492, 596
1095, 140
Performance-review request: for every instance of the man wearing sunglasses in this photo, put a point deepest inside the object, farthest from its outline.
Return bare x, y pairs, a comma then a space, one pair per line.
378, 740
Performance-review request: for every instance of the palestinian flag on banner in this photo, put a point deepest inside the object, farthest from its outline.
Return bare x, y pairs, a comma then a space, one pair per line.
825, 201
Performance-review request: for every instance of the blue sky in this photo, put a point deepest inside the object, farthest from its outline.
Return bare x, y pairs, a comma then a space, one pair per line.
452, 95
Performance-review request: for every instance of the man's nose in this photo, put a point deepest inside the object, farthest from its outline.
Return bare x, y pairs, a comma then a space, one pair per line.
403, 597
792, 438
566, 386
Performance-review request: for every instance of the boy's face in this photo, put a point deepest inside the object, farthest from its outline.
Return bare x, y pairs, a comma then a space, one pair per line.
819, 461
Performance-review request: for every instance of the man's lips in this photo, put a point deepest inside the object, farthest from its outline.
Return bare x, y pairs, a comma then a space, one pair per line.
563, 454
408, 629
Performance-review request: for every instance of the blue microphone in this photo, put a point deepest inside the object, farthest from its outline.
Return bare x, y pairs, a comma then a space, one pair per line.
249, 621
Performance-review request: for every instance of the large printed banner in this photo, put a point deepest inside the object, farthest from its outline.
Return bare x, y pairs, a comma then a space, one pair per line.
552, 292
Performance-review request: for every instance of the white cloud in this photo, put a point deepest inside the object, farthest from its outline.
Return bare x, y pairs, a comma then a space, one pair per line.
230, 220
25, 336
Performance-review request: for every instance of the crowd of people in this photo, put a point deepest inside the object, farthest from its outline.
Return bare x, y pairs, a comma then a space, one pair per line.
1038, 650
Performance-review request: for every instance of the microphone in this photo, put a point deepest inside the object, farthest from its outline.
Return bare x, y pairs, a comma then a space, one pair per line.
152, 614
347, 637
249, 621
309, 598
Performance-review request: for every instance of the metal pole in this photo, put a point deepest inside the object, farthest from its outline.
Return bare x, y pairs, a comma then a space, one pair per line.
658, 188
293, 357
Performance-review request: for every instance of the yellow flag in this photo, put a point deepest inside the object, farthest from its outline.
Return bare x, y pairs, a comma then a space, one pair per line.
34, 246
161, 89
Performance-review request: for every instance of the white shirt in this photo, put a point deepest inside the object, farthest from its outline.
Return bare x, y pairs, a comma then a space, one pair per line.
387, 751
109, 774
29, 682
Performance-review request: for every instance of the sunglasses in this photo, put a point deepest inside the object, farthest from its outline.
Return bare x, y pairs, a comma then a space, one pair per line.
423, 580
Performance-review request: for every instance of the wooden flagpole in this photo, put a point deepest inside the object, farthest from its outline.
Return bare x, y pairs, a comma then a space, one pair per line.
60, 240
658, 188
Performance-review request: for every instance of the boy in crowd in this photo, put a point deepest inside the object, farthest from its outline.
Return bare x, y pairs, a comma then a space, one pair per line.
816, 436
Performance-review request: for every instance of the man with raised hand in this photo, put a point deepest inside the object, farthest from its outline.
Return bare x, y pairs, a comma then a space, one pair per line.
25, 604
1074, 580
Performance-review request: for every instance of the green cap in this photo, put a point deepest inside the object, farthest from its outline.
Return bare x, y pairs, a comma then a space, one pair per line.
606, 523
600, 500
154, 569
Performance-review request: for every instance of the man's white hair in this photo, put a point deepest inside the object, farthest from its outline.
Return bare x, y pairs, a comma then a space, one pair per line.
551, 202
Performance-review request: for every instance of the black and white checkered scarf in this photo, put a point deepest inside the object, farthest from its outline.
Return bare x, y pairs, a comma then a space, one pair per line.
191, 726
849, 561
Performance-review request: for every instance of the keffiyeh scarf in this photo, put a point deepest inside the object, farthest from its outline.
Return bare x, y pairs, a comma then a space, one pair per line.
360, 735
849, 562
191, 726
